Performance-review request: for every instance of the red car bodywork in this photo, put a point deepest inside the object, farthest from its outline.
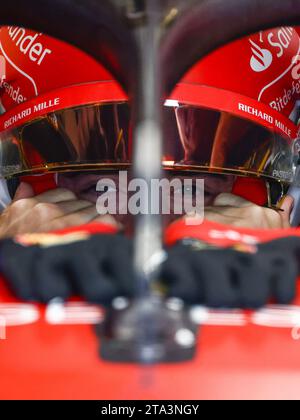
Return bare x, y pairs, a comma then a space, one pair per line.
42, 361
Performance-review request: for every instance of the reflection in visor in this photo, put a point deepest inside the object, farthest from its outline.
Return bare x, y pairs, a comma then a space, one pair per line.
81, 136
99, 137
221, 142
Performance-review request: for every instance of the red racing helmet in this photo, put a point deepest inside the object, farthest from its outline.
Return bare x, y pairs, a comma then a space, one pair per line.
60, 108
236, 111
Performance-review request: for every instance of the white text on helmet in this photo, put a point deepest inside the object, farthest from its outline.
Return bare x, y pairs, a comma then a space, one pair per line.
296, 69
27, 45
282, 41
281, 102
36, 109
12, 92
253, 111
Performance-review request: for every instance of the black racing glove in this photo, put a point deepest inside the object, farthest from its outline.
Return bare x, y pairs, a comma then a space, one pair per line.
98, 268
226, 278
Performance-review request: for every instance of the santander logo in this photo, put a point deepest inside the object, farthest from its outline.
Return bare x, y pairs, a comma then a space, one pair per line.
261, 59
277, 41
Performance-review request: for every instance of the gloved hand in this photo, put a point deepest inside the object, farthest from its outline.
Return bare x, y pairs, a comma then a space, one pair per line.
96, 267
226, 278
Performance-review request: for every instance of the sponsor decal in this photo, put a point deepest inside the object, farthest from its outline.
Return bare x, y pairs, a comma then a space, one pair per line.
33, 111
256, 112
261, 59
77, 313
273, 48
281, 102
285, 175
278, 125
9, 169
29, 44
296, 69
278, 41
13, 93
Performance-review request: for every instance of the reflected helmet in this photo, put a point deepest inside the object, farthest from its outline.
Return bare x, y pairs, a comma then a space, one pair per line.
60, 108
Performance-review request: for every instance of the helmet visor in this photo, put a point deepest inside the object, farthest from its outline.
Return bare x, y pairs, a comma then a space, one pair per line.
216, 141
88, 136
98, 136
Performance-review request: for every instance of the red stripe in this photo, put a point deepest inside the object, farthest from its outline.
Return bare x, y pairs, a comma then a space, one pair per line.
223, 100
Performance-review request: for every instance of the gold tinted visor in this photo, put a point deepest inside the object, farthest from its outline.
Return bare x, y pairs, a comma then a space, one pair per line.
88, 136
214, 141
99, 136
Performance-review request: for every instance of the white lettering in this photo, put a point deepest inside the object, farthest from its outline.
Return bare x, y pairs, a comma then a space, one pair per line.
12, 92
46, 105
283, 128
296, 69
275, 44
256, 112
36, 51
284, 37
27, 112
